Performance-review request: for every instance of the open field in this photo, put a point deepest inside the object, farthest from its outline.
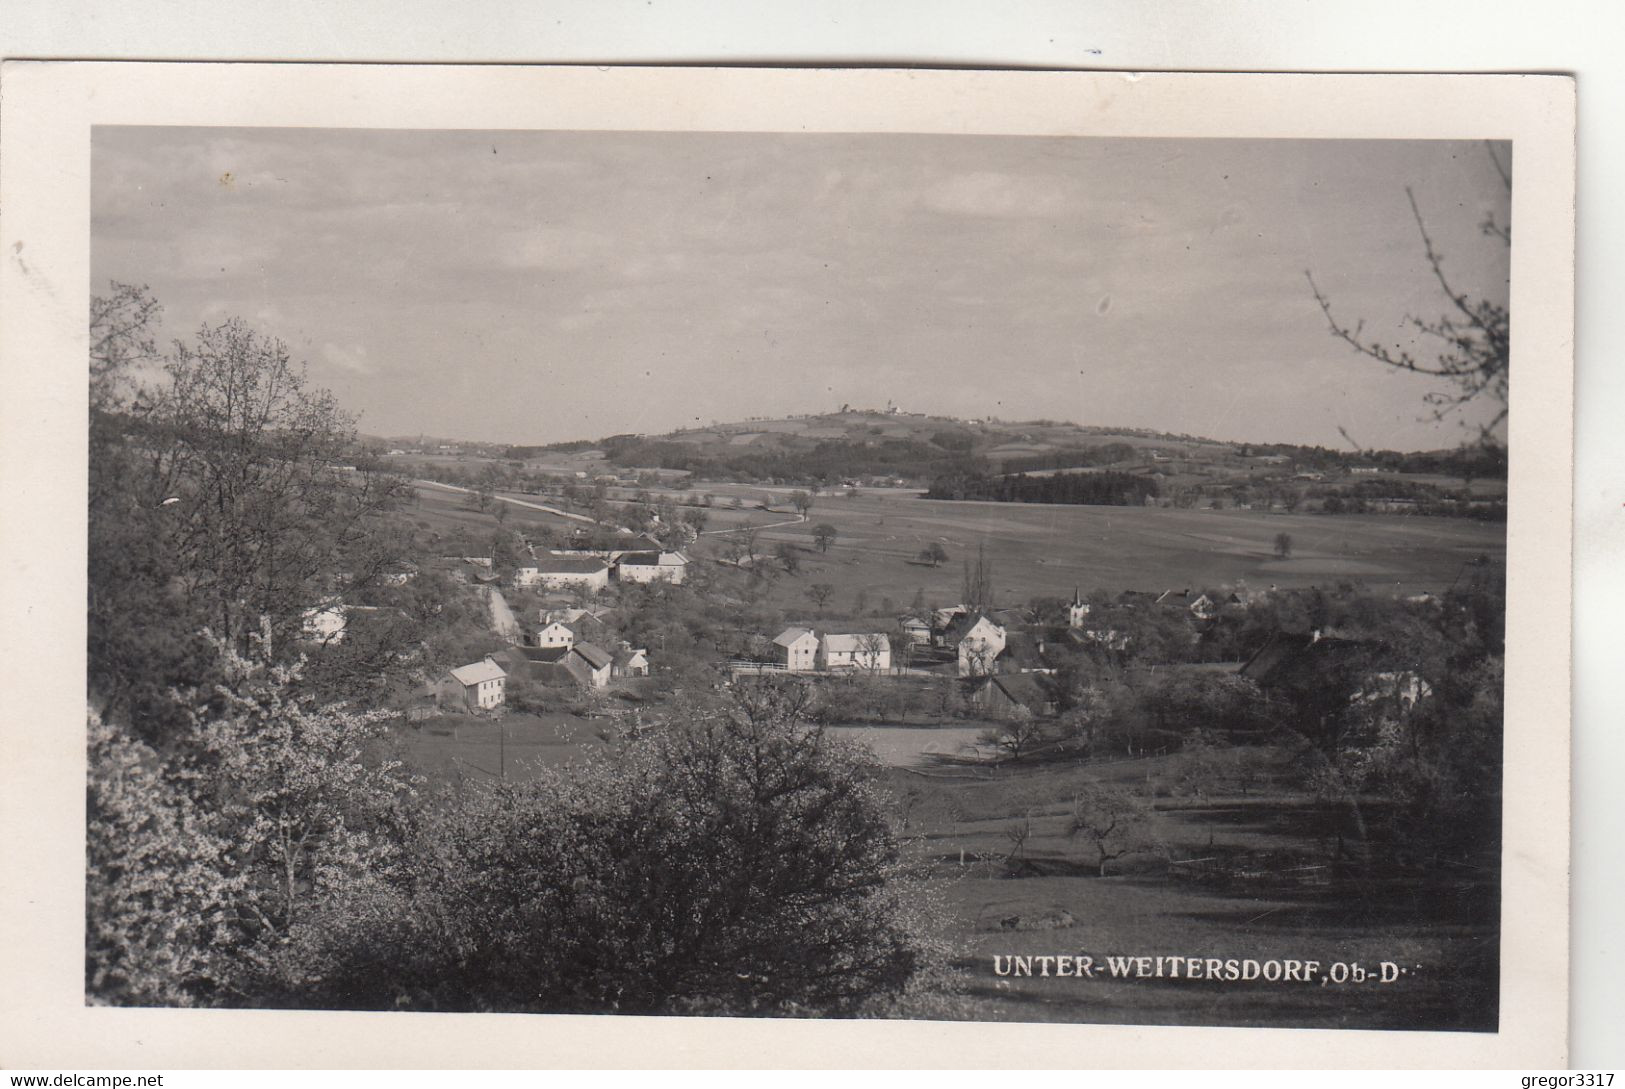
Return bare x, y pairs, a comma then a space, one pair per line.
448, 513
1287, 898
1050, 549
449, 749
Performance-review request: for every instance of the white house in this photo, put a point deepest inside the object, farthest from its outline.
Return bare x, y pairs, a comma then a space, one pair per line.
556, 572
916, 631
867, 651
630, 661
978, 641
479, 686
553, 634
651, 567
800, 649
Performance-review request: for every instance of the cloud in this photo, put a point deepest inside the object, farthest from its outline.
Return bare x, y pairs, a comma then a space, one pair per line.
349, 358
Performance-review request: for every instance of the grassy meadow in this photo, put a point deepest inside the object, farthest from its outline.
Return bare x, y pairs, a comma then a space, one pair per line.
1224, 875
1050, 549
1230, 876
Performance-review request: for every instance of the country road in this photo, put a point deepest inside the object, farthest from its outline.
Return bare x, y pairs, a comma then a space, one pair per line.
765, 525
515, 502
502, 617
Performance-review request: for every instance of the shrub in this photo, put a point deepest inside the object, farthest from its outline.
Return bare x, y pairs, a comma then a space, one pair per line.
731, 862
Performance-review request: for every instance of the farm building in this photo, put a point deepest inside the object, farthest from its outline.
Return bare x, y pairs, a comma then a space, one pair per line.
1023, 654
630, 661
651, 567
582, 665
599, 661
478, 686
1002, 693
799, 649
557, 572
916, 631
1201, 606
977, 642
869, 651
610, 549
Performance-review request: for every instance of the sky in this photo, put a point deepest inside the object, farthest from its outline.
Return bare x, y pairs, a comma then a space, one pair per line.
536, 287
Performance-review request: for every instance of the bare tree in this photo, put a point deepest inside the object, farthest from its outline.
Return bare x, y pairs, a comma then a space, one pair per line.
824, 535
1474, 334
122, 343
871, 648
1283, 546
978, 581
1016, 736
1112, 821
820, 593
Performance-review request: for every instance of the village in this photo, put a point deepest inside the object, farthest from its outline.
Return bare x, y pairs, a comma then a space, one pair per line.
560, 636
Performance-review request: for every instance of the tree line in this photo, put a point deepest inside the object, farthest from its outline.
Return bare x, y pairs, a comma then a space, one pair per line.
1103, 488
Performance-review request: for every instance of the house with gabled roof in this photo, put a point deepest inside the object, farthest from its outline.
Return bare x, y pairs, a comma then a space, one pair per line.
977, 642
869, 652
629, 661
915, 630
798, 649
551, 634
599, 663
478, 686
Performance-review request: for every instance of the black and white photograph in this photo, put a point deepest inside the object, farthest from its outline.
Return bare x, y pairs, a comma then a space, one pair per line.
921, 576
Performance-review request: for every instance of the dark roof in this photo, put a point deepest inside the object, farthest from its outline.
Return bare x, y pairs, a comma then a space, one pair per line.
596, 656
569, 565
528, 661
626, 654
534, 654
962, 624
556, 675
640, 558
1023, 688
1021, 652
1300, 658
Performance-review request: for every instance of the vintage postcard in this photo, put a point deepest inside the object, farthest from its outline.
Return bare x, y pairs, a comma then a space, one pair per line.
541, 566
